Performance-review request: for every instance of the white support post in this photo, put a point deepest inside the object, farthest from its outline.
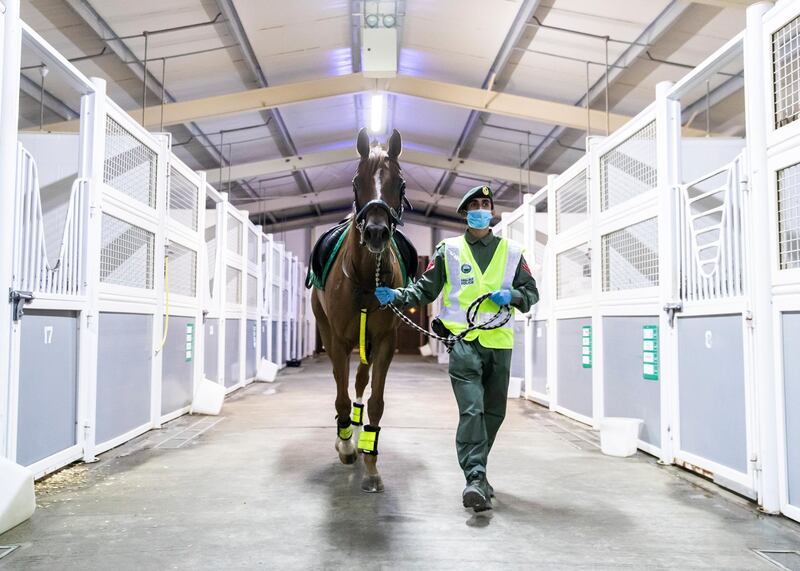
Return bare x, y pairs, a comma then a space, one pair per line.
202, 287
160, 284
259, 291
596, 252
93, 133
222, 292
667, 152
10, 54
755, 76
551, 387
245, 241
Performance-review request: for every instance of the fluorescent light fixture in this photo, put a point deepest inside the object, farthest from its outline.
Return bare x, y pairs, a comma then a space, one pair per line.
372, 20
377, 112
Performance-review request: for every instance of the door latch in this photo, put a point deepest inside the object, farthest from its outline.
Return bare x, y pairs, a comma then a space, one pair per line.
672, 309
19, 299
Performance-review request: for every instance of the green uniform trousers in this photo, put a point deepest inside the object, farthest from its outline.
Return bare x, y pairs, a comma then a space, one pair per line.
480, 382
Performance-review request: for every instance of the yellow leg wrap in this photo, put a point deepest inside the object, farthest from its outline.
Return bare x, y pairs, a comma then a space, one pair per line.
368, 439
358, 414
345, 433
362, 338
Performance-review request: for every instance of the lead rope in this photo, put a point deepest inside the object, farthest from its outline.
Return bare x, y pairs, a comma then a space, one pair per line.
504, 314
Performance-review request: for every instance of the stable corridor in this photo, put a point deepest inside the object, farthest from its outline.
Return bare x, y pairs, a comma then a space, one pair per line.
261, 487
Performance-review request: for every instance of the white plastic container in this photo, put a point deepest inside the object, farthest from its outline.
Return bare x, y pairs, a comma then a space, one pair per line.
208, 398
619, 436
514, 387
267, 371
17, 498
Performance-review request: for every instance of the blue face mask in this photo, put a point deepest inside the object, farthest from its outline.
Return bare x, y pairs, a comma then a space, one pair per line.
479, 219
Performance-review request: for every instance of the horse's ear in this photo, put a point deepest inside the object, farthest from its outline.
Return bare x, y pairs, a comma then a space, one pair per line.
362, 143
395, 145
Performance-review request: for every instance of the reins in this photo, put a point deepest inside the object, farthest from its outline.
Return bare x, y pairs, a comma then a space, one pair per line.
503, 314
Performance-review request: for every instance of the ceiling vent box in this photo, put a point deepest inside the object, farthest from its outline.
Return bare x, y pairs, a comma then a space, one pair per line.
379, 52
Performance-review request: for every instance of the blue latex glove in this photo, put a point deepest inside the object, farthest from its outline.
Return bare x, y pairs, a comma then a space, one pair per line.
385, 294
501, 296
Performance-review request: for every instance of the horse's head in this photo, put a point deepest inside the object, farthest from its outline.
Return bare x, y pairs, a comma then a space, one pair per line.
380, 191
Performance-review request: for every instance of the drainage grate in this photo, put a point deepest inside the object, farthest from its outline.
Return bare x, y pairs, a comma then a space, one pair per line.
189, 433
7, 550
781, 558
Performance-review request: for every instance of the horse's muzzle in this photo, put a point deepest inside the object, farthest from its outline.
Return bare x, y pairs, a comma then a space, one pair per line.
376, 236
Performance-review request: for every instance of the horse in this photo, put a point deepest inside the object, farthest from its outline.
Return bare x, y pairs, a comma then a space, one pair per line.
379, 199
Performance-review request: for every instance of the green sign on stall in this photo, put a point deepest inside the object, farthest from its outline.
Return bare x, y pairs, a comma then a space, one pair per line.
650, 352
586, 346
189, 341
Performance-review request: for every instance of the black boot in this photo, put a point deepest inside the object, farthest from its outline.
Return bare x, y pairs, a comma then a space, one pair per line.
476, 494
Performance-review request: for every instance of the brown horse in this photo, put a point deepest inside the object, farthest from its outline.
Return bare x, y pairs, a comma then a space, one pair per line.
379, 199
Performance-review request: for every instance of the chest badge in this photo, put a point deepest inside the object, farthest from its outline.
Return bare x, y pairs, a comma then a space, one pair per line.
466, 268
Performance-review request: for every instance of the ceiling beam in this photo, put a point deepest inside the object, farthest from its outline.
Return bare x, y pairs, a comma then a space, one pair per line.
489, 171
529, 108
726, 3
339, 195
657, 28
306, 220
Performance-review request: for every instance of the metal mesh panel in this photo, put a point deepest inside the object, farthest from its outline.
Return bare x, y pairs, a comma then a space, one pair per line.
574, 272
252, 291
234, 235
234, 285
786, 73
572, 202
130, 166
629, 168
630, 257
252, 247
182, 270
789, 216
182, 199
126, 255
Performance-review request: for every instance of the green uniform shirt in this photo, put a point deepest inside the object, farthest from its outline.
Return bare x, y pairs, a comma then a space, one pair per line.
428, 287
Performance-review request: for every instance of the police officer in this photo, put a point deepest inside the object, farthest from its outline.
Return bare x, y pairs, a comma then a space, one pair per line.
467, 267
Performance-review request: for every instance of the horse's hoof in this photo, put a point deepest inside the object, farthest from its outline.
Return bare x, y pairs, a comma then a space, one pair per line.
372, 484
348, 458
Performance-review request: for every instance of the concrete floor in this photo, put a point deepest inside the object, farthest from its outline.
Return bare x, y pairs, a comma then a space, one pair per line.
264, 488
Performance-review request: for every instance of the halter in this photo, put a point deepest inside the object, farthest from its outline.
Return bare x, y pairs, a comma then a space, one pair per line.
395, 216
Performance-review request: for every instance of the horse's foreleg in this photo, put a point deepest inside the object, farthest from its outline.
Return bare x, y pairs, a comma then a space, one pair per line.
368, 439
362, 380
340, 359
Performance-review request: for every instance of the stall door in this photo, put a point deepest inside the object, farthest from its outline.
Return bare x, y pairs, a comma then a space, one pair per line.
791, 398
48, 385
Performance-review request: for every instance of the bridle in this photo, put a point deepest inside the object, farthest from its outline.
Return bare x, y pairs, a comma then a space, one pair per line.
395, 216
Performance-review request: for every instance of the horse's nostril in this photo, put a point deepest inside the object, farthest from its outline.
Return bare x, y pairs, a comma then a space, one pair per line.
376, 232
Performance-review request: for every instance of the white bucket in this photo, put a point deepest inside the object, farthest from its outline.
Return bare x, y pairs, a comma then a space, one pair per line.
619, 436
17, 499
208, 398
267, 371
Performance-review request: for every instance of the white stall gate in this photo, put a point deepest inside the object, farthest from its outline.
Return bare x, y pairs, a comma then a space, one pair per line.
132, 278
671, 282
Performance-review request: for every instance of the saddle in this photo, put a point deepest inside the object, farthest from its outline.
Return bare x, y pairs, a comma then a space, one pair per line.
328, 245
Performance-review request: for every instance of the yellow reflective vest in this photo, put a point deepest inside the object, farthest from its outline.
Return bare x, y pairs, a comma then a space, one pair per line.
466, 282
